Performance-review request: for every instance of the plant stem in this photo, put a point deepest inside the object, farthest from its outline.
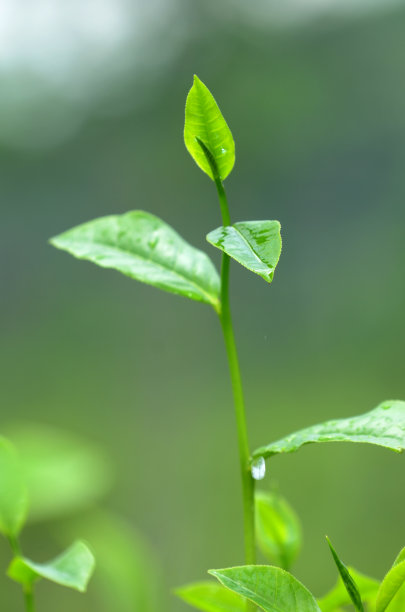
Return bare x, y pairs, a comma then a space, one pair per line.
244, 453
29, 598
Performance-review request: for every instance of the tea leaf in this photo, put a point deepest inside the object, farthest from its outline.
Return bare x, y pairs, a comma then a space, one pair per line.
145, 248
63, 472
73, 568
338, 596
13, 491
271, 588
278, 530
205, 123
254, 244
211, 597
383, 426
391, 584
348, 581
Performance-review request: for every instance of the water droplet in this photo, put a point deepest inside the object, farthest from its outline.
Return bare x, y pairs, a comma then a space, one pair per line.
223, 151
258, 468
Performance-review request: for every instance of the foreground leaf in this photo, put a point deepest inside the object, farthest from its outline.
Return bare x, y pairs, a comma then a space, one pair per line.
347, 579
278, 530
256, 245
211, 597
271, 588
383, 426
63, 472
73, 568
338, 596
145, 248
13, 491
204, 122
391, 584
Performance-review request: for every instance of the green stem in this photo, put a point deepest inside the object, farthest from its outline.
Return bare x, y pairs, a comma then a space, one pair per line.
244, 453
29, 598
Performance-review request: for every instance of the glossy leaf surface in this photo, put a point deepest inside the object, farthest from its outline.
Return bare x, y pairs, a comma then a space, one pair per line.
211, 597
390, 586
204, 122
278, 529
13, 491
73, 568
383, 426
338, 596
63, 472
145, 248
347, 579
256, 245
271, 588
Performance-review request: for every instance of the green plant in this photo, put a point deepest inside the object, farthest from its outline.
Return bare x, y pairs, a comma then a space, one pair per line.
142, 246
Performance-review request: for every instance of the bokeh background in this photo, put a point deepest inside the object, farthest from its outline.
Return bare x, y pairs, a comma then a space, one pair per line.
91, 115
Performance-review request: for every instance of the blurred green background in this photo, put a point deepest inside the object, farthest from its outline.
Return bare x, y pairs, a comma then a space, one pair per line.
91, 116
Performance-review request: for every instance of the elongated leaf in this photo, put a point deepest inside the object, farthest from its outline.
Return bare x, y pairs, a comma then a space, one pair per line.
211, 597
73, 568
400, 557
271, 588
347, 579
391, 584
205, 123
383, 426
338, 596
254, 244
13, 491
278, 529
145, 248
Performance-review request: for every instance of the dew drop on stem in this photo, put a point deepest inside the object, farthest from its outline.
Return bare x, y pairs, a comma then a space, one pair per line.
258, 468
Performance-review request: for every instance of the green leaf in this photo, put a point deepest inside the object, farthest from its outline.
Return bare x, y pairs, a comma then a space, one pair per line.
400, 557
63, 472
205, 123
73, 568
211, 597
383, 426
348, 581
271, 588
13, 491
338, 596
145, 248
254, 244
391, 584
278, 530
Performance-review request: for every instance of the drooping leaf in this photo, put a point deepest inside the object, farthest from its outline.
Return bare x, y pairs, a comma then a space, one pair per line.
63, 472
145, 248
73, 568
211, 597
278, 529
338, 596
271, 588
349, 583
13, 491
390, 586
204, 122
383, 426
128, 576
256, 245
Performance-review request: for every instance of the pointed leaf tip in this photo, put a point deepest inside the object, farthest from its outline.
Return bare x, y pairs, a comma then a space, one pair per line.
348, 581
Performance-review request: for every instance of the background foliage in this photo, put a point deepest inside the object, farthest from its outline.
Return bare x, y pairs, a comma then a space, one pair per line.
315, 102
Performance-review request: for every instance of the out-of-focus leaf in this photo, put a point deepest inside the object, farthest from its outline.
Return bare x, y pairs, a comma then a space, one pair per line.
278, 529
400, 557
383, 426
145, 248
211, 597
271, 588
389, 587
338, 596
63, 472
128, 577
256, 245
72, 569
13, 491
204, 122
349, 583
